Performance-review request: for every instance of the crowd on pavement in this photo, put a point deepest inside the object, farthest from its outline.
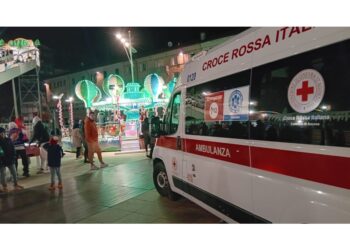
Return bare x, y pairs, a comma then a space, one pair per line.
13, 143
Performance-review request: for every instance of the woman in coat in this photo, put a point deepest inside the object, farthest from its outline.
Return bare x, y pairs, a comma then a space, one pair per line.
77, 139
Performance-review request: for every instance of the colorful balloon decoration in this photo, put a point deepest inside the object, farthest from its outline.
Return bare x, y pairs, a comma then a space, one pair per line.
114, 86
88, 92
154, 85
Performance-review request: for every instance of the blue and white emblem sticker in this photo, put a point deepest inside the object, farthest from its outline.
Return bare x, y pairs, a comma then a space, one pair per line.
236, 104
236, 101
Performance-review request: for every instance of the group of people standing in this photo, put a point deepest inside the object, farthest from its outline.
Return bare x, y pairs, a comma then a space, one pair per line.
12, 147
7, 160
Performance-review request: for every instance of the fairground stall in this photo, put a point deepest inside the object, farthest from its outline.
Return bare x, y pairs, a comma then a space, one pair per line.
117, 108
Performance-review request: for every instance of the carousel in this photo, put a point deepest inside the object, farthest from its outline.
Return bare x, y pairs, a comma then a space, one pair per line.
118, 107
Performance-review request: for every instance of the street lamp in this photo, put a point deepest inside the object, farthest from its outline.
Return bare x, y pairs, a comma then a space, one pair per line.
48, 92
129, 50
71, 118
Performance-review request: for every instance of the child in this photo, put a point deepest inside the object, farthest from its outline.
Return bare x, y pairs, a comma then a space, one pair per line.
7, 160
54, 155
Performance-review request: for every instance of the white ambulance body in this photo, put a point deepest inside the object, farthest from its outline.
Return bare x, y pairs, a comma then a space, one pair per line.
258, 128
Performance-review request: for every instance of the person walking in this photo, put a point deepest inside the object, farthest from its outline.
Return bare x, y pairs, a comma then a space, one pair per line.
7, 160
42, 137
77, 139
18, 139
54, 155
86, 150
146, 135
91, 137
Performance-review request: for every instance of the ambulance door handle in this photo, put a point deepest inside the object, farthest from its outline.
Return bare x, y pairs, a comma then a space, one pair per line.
178, 143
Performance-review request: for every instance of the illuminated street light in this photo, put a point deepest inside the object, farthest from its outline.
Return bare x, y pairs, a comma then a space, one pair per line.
47, 92
129, 50
70, 99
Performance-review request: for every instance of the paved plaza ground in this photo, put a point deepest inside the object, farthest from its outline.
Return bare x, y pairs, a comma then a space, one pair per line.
121, 193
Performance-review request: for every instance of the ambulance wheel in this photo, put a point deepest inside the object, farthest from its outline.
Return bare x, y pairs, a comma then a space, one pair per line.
161, 182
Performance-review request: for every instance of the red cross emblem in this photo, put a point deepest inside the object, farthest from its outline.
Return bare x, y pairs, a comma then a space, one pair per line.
305, 91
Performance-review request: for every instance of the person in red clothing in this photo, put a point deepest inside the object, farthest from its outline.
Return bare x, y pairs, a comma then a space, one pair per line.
91, 137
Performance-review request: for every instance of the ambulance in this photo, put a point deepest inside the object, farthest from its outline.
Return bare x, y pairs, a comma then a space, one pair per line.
258, 129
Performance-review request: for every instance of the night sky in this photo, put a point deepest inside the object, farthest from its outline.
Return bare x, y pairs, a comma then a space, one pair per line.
84, 47
79, 48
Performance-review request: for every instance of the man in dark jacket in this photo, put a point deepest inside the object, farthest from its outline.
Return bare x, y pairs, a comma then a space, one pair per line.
7, 160
146, 135
154, 133
82, 132
40, 135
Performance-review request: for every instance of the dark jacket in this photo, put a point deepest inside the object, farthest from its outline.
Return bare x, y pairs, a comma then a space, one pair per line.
9, 152
82, 130
145, 126
155, 126
19, 138
40, 134
54, 155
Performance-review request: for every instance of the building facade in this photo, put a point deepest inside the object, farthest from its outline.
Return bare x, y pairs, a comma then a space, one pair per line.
166, 64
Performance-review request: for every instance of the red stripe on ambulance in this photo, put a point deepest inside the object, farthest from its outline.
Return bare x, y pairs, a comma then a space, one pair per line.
326, 169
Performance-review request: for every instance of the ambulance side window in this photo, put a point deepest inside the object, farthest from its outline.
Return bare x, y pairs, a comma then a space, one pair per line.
195, 119
274, 119
172, 117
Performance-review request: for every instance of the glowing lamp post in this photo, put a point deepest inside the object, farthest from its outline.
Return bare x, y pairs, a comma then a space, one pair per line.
129, 50
71, 117
47, 91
